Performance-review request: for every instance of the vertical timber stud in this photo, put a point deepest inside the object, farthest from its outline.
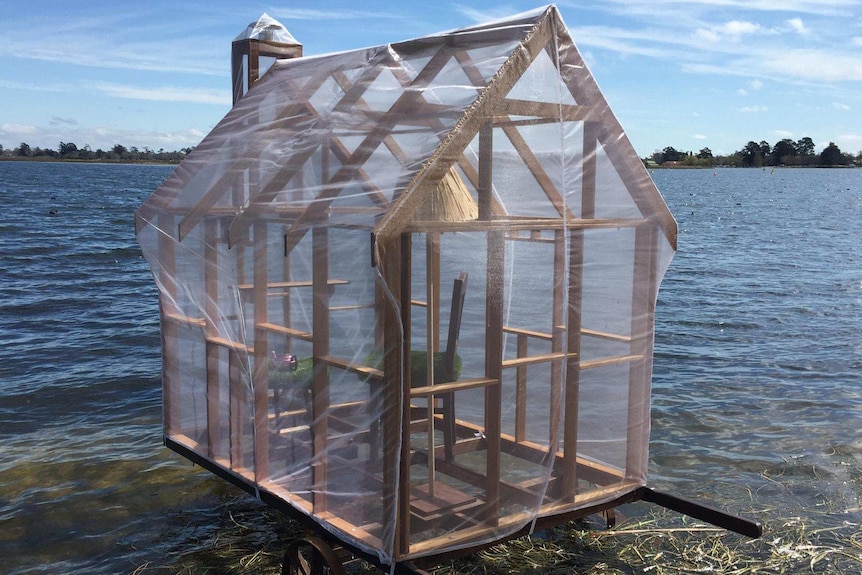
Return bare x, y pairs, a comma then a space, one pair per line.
643, 303
493, 327
392, 368
211, 313
406, 295
557, 337
573, 370
237, 410
170, 332
260, 378
320, 377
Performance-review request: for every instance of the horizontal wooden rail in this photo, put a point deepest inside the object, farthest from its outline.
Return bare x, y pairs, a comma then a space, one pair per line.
292, 284
358, 368
289, 331
427, 390
603, 362
529, 360
234, 345
528, 332
604, 335
184, 319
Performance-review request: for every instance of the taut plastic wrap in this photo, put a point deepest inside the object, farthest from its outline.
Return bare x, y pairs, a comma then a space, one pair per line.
408, 291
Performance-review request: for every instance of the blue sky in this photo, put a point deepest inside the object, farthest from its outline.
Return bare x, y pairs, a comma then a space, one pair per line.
689, 74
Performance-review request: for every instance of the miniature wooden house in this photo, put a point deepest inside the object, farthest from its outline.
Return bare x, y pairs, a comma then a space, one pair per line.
408, 291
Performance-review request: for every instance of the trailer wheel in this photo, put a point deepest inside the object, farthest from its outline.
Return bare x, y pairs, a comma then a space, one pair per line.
311, 555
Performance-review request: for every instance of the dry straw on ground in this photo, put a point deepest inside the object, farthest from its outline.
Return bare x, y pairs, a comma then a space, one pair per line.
249, 538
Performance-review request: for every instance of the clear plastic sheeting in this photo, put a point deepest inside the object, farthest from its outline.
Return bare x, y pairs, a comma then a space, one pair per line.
408, 291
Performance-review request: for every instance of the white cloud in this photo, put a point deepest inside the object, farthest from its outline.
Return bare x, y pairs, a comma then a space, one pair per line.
742, 92
481, 16
57, 121
18, 129
848, 142
729, 31
165, 94
820, 7
840, 106
699, 137
857, 40
783, 133
312, 14
753, 109
814, 65
756, 84
797, 26
738, 28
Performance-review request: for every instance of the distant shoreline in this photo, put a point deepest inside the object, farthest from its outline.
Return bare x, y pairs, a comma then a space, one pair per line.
42, 159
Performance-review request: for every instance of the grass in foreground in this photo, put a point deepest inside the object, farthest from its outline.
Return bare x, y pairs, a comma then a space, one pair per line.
250, 538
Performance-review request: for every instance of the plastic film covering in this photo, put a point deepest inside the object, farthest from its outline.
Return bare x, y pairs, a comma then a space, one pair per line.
409, 290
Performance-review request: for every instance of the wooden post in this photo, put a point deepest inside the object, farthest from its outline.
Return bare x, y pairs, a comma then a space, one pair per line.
557, 336
237, 394
643, 304
569, 483
432, 275
588, 180
429, 380
211, 313
494, 370
486, 155
396, 397
432, 312
320, 378
493, 327
260, 377
521, 391
170, 334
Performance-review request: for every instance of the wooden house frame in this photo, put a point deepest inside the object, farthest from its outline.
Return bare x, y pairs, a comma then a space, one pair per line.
326, 218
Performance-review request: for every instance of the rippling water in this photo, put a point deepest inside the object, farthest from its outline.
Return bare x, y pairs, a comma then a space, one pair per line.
758, 371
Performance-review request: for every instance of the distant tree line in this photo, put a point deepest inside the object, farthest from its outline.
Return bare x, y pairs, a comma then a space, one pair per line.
785, 152
119, 153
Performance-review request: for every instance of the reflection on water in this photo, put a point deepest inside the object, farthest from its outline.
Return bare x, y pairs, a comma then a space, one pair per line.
757, 386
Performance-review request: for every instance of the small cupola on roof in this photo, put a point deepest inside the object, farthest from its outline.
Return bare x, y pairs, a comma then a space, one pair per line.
256, 49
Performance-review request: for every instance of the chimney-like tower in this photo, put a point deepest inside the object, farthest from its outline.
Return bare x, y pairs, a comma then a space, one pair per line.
254, 51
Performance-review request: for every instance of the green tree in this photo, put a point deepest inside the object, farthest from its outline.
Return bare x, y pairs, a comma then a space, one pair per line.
831, 155
751, 155
805, 147
784, 151
670, 154
24, 150
704, 154
68, 149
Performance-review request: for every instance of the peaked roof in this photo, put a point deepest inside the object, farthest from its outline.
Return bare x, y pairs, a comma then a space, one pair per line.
366, 135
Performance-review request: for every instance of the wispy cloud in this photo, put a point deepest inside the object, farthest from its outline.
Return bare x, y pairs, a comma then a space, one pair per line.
112, 42
165, 93
813, 64
699, 137
840, 106
753, 109
479, 16
818, 7
57, 121
317, 14
797, 26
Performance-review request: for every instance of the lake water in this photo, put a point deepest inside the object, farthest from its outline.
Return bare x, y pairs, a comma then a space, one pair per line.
757, 399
